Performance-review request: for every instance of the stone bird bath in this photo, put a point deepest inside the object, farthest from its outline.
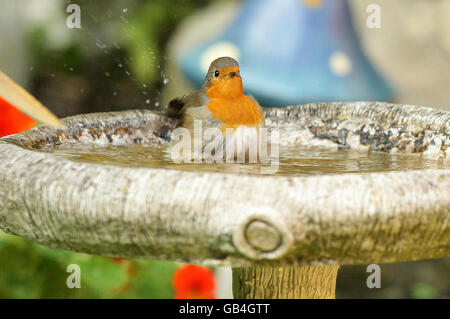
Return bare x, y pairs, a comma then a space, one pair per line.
284, 236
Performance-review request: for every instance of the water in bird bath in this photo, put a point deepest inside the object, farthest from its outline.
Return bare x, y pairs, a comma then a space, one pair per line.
294, 161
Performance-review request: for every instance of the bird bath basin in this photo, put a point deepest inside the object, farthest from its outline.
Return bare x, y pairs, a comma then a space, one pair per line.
284, 234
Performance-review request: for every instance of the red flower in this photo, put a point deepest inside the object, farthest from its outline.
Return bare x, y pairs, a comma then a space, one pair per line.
131, 273
194, 282
12, 120
117, 260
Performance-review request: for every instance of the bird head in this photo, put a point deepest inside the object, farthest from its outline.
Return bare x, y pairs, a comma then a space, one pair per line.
223, 79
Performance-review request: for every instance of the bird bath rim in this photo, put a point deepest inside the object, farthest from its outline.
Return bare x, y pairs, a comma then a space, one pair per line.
188, 216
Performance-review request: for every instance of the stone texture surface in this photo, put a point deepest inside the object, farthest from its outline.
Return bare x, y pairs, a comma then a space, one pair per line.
204, 217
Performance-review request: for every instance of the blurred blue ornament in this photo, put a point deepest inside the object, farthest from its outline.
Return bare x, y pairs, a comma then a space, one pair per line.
293, 52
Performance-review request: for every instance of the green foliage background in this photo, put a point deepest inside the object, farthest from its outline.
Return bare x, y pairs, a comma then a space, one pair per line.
28, 270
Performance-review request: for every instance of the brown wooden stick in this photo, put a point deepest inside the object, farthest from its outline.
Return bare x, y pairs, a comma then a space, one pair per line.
24, 101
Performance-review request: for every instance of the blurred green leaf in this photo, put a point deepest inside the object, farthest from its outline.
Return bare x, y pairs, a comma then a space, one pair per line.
423, 290
29, 270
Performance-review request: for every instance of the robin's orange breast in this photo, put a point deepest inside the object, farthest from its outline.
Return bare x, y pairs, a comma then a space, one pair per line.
233, 113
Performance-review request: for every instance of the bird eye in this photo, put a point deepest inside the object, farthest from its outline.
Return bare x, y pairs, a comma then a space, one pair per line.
216, 74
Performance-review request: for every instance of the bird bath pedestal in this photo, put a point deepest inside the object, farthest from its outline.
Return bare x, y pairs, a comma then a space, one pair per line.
284, 236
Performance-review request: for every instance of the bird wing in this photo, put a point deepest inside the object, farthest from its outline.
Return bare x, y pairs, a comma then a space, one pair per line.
177, 106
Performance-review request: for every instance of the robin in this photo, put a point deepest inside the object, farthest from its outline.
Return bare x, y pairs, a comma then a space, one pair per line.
221, 103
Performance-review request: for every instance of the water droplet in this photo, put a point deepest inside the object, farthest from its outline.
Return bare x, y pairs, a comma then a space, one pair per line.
165, 81
120, 65
100, 44
147, 101
156, 103
107, 74
125, 10
71, 69
144, 85
114, 93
